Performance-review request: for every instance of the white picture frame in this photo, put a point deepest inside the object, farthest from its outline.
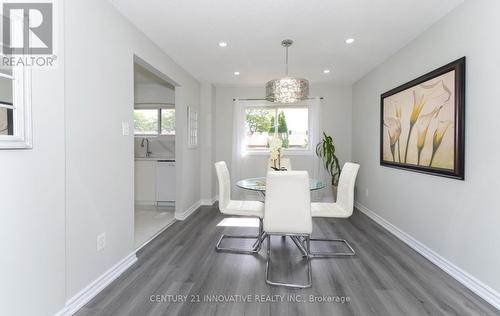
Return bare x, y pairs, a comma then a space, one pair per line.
22, 137
192, 134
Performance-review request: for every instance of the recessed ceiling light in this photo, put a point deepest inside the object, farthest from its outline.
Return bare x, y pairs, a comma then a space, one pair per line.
349, 41
222, 44
236, 73
326, 71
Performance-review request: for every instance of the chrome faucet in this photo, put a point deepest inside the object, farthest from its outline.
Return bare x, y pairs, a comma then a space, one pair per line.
148, 152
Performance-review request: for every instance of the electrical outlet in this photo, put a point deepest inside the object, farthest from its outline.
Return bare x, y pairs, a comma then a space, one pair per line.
367, 192
125, 129
101, 241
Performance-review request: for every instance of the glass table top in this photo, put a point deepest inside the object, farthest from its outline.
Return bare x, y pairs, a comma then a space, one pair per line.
259, 184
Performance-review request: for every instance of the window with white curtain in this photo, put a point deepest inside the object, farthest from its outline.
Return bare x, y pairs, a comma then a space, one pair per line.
288, 123
256, 121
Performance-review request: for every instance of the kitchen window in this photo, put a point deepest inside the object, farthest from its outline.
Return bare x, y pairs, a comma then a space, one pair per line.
154, 122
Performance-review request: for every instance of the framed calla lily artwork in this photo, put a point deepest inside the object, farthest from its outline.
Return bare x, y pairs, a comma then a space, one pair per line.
422, 123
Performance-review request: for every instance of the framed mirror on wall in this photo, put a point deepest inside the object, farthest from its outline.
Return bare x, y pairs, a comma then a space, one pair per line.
15, 108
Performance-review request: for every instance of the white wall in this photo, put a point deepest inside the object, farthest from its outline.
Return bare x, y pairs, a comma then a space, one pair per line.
335, 120
457, 219
52, 252
100, 46
163, 145
153, 92
207, 104
32, 231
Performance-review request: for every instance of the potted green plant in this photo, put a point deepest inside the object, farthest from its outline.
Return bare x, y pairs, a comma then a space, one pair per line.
325, 150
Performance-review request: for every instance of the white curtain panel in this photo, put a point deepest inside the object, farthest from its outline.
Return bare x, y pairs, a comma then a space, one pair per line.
249, 165
315, 136
240, 156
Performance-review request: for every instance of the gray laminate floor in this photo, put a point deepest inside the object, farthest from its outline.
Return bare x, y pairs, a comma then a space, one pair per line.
385, 277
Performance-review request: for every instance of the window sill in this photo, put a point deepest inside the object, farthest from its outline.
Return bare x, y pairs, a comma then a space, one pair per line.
285, 153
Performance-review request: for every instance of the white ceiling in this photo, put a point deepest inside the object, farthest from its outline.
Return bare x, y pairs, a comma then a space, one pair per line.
189, 30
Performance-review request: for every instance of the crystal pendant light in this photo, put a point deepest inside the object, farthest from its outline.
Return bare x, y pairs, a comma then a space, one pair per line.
287, 89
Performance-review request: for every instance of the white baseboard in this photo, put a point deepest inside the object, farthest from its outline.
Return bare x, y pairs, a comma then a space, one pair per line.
91, 290
206, 202
189, 211
476, 286
209, 202
62, 312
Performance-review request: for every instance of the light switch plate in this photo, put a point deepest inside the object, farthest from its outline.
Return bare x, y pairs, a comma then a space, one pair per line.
101, 241
125, 129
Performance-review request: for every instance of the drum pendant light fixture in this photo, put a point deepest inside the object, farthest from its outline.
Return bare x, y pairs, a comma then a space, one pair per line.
287, 89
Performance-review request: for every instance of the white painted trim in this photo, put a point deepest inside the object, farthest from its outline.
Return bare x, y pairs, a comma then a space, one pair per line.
484, 291
193, 129
206, 202
286, 152
209, 202
90, 291
62, 312
188, 212
22, 123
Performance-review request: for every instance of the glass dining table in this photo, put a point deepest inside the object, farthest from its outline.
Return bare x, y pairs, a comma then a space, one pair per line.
259, 185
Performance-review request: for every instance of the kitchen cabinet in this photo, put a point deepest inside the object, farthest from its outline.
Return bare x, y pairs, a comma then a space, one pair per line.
154, 181
145, 181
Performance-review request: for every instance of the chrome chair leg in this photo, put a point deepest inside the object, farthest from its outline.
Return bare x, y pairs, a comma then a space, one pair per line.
298, 243
259, 240
256, 247
289, 285
331, 254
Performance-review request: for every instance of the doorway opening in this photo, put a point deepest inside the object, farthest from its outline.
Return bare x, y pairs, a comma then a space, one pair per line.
154, 154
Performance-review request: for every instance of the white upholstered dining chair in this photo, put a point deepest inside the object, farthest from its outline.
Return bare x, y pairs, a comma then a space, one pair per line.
284, 163
342, 208
239, 208
287, 212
